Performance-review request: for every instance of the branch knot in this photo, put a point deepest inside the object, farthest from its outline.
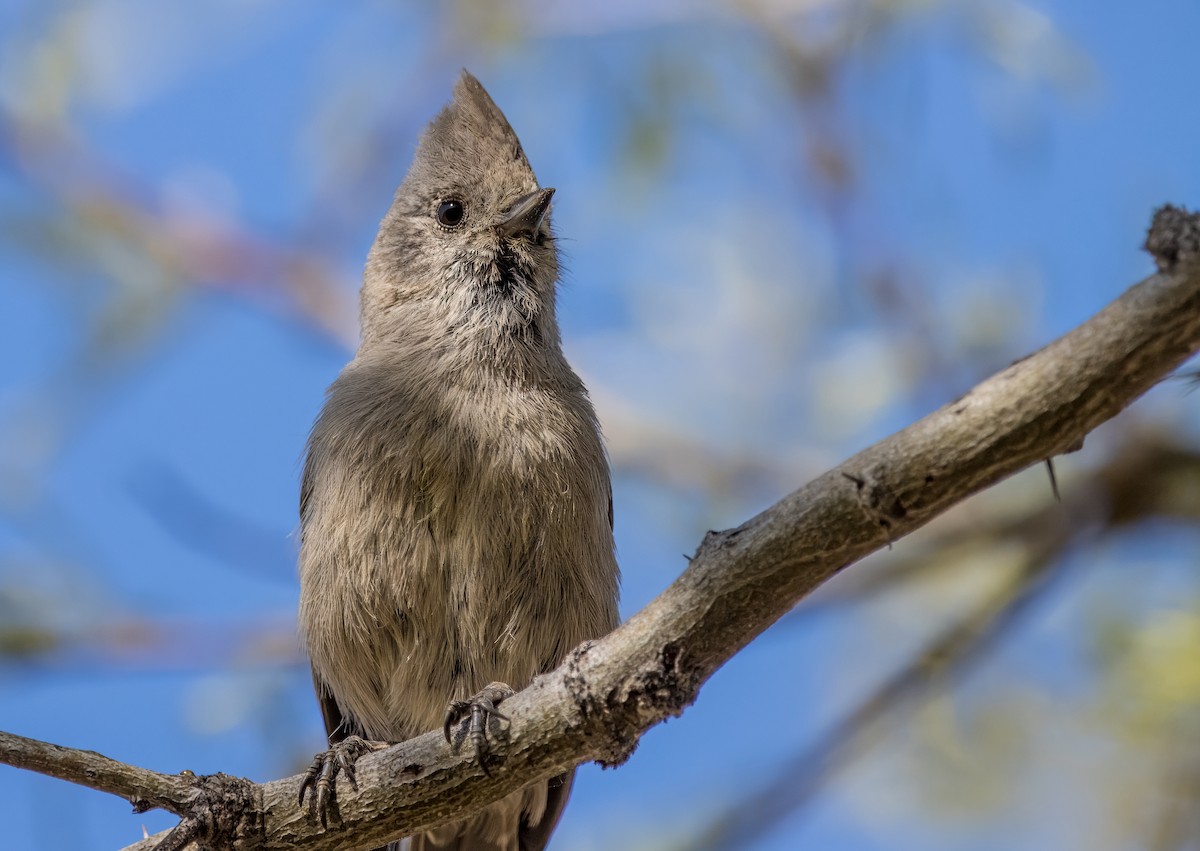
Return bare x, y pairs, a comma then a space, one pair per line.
1174, 237
224, 812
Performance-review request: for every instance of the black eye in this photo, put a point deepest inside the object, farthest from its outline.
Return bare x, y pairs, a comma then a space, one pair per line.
450, 213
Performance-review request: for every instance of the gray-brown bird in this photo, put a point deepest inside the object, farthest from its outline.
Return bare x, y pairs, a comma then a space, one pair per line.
456, 508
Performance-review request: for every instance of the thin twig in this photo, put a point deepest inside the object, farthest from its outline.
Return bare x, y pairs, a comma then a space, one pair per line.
143, 788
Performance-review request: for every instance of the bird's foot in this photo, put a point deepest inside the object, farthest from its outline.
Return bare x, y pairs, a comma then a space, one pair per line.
477, 710
326, 766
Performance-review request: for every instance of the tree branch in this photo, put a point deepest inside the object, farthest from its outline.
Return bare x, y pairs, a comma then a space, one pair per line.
146, 790
1137, 483
598, 703
952, 651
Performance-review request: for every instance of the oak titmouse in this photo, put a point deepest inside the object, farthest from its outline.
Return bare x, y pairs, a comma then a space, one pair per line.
456, 509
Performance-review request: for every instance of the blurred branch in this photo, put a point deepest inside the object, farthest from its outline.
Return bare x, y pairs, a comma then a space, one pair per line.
1142, 480
206, 527
950, 654
667, 455
129, 643
184, 245
1179, 824
607, 693
1147, 476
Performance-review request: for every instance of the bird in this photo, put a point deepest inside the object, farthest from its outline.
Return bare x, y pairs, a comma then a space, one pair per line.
456, 520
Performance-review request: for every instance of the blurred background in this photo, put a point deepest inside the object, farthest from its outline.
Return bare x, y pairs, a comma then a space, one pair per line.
790, 227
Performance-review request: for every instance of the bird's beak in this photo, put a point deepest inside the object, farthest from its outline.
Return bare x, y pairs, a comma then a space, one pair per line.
526, 214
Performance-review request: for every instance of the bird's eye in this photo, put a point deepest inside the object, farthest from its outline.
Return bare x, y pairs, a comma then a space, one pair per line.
450, 213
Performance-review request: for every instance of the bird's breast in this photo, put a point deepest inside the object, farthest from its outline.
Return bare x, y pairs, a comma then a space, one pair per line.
477, 548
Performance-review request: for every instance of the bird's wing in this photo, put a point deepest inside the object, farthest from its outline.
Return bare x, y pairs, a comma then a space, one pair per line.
336, 724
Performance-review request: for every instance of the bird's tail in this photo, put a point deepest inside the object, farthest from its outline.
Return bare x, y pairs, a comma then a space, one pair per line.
523, 821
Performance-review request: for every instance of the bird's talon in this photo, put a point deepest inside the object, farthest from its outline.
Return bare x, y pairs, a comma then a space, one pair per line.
475, 711
322, 772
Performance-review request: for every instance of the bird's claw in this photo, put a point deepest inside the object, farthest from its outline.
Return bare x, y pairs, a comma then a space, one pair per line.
477, 710
322, 773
